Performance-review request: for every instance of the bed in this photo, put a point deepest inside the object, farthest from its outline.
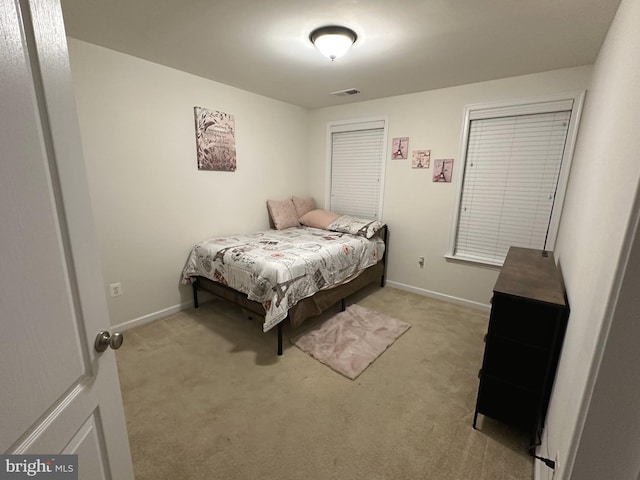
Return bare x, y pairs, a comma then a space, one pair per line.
293, 272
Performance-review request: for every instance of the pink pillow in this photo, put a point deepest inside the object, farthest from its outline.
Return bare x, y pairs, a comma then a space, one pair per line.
318, 218
303, 205
283, 213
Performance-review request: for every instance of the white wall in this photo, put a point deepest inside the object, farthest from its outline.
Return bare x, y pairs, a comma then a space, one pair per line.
418, 211
592, 253
149, 200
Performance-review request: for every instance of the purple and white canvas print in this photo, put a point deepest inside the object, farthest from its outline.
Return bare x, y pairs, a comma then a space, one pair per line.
215, 140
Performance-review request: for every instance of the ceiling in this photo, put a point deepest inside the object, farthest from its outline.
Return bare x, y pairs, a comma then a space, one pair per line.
403, 46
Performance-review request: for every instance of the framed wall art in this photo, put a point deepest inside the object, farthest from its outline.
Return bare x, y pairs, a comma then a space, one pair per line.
400, 148
420, 158
442, 169
215, 140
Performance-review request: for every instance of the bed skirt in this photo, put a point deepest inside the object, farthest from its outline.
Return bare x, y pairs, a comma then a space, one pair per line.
305, 308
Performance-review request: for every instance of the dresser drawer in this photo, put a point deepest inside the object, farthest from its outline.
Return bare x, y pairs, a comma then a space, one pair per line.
526, 322
506, 402
522, 365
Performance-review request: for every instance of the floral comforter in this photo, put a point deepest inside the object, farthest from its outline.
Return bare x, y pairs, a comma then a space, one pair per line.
278, 268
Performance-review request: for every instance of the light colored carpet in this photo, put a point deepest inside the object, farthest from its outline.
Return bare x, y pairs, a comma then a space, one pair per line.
350, 341
206, 397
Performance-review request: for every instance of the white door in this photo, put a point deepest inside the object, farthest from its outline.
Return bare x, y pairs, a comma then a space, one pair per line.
57, 394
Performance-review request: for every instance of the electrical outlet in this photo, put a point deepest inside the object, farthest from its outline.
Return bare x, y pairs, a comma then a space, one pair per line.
421, 262
116, 289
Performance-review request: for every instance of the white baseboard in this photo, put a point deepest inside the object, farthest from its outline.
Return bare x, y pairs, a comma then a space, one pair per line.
440, 296
203, 297
165, 312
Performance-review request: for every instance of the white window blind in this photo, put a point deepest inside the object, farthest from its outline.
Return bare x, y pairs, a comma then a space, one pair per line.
356, 171
511, 174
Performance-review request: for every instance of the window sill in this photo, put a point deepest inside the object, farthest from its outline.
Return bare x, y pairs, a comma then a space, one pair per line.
476, 260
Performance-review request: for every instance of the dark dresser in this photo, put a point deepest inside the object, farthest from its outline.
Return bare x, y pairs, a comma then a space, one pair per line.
529, 312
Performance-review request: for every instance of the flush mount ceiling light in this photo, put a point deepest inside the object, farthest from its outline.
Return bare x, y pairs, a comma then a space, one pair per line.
333, 41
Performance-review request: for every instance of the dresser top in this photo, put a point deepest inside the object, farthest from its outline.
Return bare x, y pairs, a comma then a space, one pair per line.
531, 274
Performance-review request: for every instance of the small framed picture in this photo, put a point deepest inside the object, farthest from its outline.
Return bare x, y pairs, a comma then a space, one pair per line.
420, 158
442, 169
400, 148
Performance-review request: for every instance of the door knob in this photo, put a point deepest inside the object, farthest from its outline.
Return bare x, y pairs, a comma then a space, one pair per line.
105, 340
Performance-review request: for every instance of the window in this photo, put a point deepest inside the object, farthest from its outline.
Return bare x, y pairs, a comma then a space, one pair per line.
515, 166
356, 168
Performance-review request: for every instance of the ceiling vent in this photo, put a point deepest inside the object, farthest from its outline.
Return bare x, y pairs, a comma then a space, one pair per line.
344, 93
